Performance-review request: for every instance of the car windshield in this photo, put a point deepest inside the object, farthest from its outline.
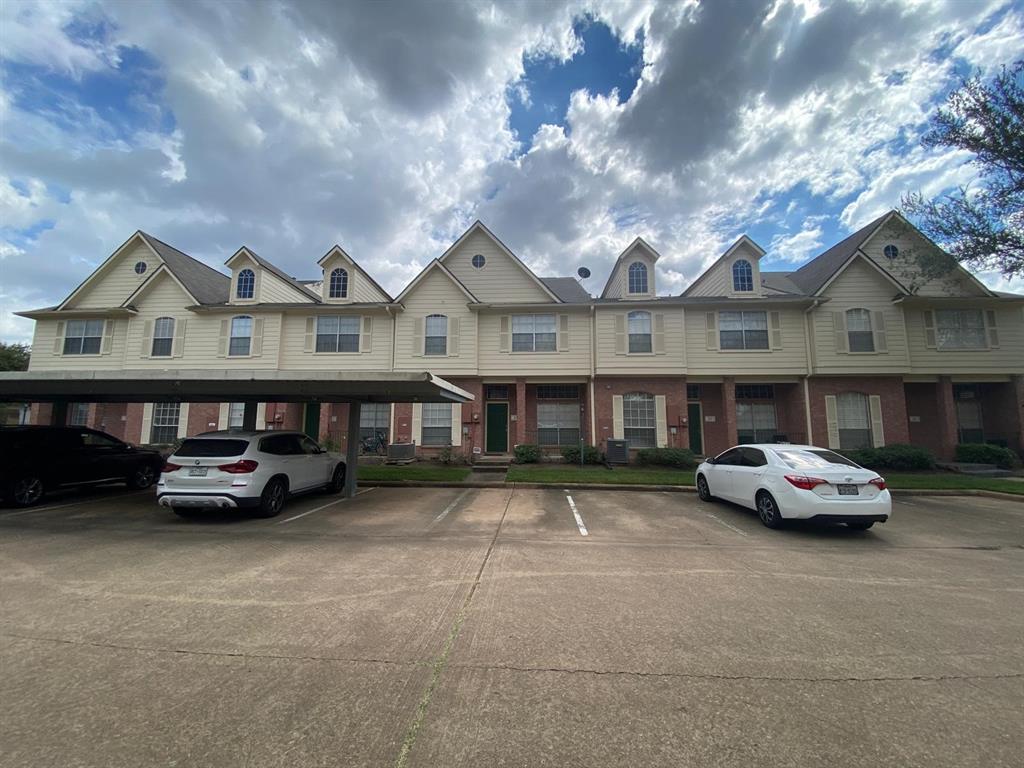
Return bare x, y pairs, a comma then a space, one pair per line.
812, 459
212, 447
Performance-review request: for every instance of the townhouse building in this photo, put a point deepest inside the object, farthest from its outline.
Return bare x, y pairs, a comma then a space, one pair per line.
880, 339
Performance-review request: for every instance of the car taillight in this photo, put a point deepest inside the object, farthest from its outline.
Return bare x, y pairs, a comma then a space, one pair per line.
239, 467
805, 483
168, 467
878, 482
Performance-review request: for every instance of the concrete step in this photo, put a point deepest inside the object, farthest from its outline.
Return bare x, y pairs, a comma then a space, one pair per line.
976, 470
490, 468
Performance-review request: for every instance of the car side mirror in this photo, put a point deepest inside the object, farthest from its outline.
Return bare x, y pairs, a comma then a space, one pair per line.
710, 461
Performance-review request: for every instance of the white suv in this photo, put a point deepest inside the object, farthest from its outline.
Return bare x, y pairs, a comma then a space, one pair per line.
249, 470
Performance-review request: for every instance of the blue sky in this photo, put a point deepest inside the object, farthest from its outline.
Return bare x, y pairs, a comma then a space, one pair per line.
568, 128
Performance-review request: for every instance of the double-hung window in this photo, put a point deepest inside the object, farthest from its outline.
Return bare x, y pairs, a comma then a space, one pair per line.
83, 337
165, 423
236, 415
743, 330
960, 329
337, 334
163, 337
241, 336
558, 423
854, 420
858, 330
437, 424
436, 340
534, 333
639, 332
638, 420
374, 419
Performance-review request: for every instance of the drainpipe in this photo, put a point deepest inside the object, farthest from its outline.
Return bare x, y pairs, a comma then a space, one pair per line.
809, 351
593, 373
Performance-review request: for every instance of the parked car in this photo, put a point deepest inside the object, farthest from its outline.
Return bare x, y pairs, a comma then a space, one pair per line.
37, 460
247, 470
788, 482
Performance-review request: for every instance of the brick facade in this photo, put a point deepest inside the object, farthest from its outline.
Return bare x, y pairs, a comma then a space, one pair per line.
888, 388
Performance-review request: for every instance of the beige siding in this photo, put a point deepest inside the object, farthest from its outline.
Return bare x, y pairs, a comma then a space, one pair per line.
717, 281
272, 289
118, 280
790, 358
163, 298
905, 267
436, 294
619, 286
360, 288
1007, 358
574, 361
44, 359
672, 361
378, 358
859, 286
500, 280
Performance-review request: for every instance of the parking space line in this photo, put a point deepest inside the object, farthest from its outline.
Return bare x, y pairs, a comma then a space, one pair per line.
450, 507
5, 515
727, 525
576, 514
322, 506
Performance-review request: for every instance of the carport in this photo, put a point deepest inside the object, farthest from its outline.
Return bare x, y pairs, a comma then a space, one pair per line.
248, 386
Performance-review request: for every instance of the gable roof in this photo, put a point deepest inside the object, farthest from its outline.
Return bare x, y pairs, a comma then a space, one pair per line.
567, 289
150, 281
275, 271
337, 248
813, 275
741, 240
779, 283
204, 283
479, 225
436, 264
637, 241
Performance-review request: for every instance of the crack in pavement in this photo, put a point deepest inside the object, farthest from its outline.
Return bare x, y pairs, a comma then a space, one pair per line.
764, 678
441, 662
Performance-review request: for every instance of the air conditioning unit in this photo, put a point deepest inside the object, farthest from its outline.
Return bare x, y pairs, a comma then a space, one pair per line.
617, 451
401, 451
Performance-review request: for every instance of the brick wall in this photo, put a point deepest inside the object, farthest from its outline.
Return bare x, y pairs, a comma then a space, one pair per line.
922, 403
889, 388
672, 387
203, 417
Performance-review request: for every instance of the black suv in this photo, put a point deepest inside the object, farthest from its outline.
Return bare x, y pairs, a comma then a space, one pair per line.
34, 460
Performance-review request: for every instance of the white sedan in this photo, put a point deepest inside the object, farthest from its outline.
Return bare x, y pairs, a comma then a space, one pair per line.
796, 482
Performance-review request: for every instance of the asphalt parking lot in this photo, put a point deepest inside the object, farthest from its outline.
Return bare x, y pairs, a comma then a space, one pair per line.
480, 627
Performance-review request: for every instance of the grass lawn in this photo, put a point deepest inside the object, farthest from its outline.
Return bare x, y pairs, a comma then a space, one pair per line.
565, 473
950, 480
419, 472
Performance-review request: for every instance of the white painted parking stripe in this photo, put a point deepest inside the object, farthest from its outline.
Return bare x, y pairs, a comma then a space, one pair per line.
450, 507
727, 525
322, 506
576, 514
72, 504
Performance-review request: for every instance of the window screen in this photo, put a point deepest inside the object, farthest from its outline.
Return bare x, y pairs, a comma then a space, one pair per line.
854, 420
163, 336
639, 332
436, 341
241, 335
436, 424
960, 329
638, 420
534, 333
858, 329
743, 330
558, 423
337, 334
165, 423
83, 337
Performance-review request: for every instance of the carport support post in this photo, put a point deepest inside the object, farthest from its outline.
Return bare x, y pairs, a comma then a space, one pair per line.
352, 449
59, 413
249, 416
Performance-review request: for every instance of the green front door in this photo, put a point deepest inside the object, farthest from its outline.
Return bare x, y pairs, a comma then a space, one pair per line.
311, 423
497, 428
694, 418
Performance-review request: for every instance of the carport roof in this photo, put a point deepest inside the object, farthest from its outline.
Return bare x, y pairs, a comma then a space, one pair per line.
141, 386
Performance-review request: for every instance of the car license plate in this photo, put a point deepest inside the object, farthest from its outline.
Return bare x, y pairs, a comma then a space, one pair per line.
847, 490
201, 472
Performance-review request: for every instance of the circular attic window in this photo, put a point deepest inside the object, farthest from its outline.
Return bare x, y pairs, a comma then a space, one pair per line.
140, 267
891, 251
479, 261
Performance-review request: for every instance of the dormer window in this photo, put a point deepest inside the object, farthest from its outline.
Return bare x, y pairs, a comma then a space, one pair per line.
246, 287
338, 284
638, 277
742, 276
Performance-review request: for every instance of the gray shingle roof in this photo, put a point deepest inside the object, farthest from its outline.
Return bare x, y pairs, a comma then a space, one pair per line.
205, 283
567, 289
779, 283
815, 273
287, 278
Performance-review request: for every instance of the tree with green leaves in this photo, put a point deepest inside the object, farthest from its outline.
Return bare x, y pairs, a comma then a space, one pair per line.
14, 357
981, 226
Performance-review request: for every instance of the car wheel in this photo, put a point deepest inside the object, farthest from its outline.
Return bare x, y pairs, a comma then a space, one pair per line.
768, 510
27, 490
703, 491
273, 497
337, 483
143, 477
859, 525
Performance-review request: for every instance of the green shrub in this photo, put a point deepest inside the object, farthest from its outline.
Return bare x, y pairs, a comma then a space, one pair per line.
527, 453
896, 456
571, 454
329, 444
681, 458
447, 456
980, 453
